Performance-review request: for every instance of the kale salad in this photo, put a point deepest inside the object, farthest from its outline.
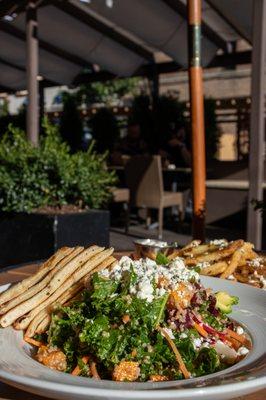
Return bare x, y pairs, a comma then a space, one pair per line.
144, 320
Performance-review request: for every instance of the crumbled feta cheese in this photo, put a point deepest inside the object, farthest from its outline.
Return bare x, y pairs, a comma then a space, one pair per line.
145, 290
152, 242
239, 330
160, 291
197, 342
242, 351
148, 272
205, 344
203, 264
221, 243
183, 335
169, 332
256, 262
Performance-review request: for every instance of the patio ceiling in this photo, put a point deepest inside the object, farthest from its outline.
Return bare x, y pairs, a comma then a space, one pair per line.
120, 41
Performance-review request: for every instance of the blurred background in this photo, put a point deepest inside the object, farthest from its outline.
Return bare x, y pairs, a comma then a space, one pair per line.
110, 77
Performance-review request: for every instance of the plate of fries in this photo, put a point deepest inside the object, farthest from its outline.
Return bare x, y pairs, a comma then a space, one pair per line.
236, 260
26, 308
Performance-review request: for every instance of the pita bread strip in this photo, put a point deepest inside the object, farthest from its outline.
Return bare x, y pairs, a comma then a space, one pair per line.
44, 324
42, 284
28, 305
65, 300
106, 264
74, 278
69, 269
20, 287
31, 330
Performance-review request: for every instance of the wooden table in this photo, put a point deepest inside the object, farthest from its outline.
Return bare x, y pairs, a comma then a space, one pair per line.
9, 393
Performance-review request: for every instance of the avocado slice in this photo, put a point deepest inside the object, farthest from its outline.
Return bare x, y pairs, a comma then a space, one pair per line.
224, 301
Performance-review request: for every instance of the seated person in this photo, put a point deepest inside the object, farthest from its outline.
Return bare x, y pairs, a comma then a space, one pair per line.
175, 150
131, 145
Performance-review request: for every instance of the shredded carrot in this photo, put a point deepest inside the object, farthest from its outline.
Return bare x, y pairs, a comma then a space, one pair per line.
33, 341
200, 329
178, 356
240, 338
94, 370
233, 343
76, 371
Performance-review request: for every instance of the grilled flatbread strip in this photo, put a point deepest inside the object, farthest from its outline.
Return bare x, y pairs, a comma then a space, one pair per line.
46, 312
41, 321
42, 284
45, 293
75, 277
20, 287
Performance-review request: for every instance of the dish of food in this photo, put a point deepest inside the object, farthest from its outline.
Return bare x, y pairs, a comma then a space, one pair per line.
143, 323
236, 260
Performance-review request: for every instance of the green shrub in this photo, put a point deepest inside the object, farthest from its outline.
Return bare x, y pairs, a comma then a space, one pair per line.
31, 178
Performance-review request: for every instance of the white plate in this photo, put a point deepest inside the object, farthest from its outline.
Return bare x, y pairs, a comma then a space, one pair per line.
19, 369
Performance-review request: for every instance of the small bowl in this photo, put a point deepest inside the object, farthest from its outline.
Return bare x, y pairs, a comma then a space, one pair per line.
149, 248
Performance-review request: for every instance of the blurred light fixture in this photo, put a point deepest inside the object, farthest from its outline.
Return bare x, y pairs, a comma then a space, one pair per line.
108, 3
21, 93
10, 17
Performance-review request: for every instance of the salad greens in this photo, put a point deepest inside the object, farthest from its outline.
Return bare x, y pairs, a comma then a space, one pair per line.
116, 322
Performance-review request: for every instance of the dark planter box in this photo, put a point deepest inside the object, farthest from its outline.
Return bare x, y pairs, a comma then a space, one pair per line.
28, 237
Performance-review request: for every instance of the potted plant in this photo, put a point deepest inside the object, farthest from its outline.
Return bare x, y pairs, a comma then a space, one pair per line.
50, 197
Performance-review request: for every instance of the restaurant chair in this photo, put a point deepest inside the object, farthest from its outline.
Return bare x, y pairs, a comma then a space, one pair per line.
144, 177
122, 195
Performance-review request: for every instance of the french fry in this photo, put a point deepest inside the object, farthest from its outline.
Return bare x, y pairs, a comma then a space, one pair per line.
236, 257
215, 269
189, 246
241, 278
201, 249
221, 253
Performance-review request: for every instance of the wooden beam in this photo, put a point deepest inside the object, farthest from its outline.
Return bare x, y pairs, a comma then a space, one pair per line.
101, 27
180, 8
13, 31
257, 123
228, 20
32, 67
197, 119
222, 60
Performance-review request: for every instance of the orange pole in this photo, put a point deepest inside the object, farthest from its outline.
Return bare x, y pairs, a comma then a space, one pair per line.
197, 119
